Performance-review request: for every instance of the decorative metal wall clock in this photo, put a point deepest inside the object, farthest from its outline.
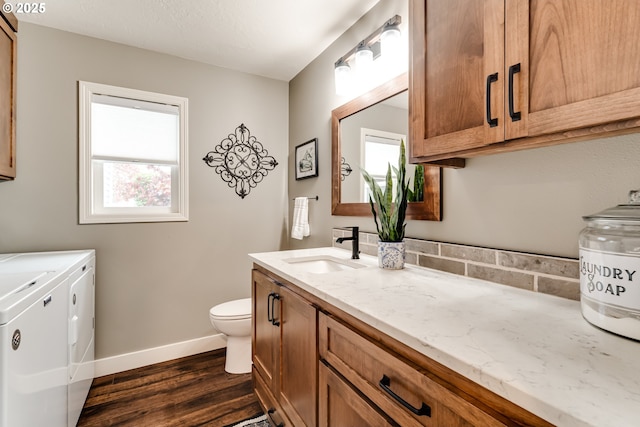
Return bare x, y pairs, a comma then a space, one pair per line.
241, 161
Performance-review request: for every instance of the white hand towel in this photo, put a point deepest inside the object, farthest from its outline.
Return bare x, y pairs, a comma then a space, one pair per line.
300, 226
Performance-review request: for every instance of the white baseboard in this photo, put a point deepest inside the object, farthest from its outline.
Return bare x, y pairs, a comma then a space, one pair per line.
137, 359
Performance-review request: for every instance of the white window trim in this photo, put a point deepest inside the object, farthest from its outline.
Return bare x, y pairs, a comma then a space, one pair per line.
87, 215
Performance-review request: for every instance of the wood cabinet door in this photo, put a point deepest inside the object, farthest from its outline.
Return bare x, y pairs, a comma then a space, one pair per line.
265, 335
456, 82
8, 49
299, 359
584, 63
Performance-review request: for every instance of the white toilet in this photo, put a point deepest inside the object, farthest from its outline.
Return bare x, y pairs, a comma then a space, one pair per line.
233, 319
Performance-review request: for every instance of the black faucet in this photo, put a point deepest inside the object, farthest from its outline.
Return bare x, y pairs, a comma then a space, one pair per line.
355, 246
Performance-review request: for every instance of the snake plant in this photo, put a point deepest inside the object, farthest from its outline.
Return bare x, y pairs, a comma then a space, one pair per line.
417, 194
388, 215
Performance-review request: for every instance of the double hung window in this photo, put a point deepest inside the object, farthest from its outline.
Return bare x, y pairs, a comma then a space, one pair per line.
133, 155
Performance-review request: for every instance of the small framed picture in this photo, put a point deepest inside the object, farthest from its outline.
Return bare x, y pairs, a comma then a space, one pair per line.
307, 159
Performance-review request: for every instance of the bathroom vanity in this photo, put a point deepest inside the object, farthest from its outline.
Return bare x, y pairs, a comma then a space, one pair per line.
341, 342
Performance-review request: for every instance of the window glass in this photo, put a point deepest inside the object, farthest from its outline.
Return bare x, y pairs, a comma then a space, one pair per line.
379, 148
136, 185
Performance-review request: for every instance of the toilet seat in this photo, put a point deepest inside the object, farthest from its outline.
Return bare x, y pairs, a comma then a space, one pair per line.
233, 310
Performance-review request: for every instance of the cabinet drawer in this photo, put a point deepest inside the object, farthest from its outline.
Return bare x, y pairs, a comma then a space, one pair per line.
406, 392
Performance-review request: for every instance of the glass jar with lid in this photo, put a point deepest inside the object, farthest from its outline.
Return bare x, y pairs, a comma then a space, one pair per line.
610, 268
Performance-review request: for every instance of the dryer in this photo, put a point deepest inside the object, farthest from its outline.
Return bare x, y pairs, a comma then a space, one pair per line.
35, 347
81, 338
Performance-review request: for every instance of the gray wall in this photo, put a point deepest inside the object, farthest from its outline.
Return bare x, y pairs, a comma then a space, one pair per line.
155, 281
528, 201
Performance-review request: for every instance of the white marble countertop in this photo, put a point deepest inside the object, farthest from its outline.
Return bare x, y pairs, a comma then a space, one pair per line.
533, 349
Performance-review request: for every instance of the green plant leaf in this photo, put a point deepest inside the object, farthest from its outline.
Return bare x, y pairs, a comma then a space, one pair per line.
417, 193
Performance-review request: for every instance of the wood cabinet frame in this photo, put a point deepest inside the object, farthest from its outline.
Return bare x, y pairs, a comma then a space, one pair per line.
8, 29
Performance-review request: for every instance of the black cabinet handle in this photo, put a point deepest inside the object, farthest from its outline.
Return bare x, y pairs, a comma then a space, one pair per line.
491, 78
515, 115
270, 412
269, 307
274, 322
385, 384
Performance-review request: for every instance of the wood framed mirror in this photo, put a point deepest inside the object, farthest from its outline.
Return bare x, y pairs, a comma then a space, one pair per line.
379, 118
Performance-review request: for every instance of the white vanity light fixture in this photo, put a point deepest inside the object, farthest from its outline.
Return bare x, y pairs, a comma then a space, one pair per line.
343, 77
391, 40
363, 56
373, 61
394, 48
365, 72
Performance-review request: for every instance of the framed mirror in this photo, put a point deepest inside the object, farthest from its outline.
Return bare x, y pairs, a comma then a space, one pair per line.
366, 133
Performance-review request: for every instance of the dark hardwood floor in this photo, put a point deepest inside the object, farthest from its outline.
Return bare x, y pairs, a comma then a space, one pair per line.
186, 392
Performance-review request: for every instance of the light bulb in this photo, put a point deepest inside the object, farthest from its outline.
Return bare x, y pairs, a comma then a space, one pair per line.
390, 41
364, 56
342, 74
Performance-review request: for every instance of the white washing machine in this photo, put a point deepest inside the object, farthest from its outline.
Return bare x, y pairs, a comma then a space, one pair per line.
35, 344
80, 338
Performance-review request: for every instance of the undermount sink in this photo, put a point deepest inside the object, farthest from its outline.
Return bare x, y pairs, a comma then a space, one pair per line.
323, 264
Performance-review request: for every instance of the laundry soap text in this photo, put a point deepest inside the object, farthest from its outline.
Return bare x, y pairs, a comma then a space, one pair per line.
609, 277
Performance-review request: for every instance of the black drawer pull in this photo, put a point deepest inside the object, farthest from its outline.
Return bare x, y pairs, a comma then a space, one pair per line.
515, 115
270, 412
274, 322
385, 384
491, 78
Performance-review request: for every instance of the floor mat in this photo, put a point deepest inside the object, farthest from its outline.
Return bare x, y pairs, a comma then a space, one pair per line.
259, 421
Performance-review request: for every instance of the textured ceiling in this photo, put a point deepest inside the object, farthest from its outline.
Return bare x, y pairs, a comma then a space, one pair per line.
271, 38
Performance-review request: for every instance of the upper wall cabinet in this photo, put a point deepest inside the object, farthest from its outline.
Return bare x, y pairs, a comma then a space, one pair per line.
501, 75
8, 54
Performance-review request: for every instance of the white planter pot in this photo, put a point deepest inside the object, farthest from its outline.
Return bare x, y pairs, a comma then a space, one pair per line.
391, 255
